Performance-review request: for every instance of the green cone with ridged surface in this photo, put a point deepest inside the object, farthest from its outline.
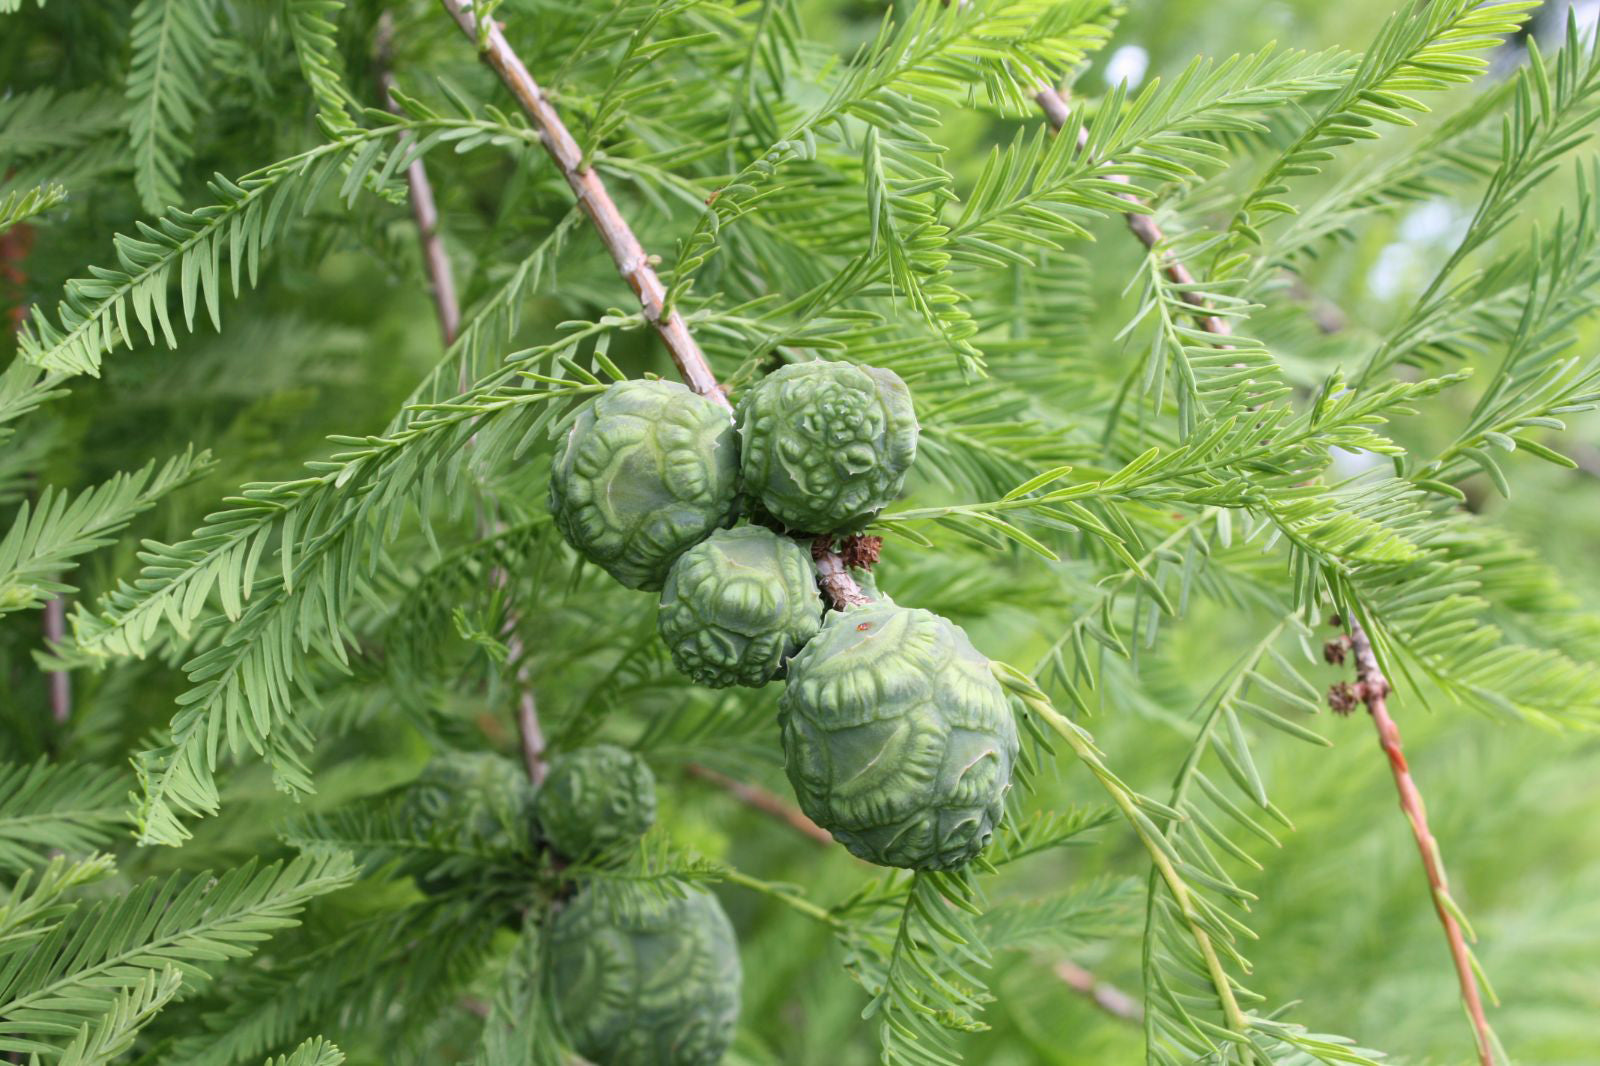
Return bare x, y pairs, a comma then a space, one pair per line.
477, 800
596, 802
897, 738
484, 795
654, 982
738, 606
826, 446
646, 471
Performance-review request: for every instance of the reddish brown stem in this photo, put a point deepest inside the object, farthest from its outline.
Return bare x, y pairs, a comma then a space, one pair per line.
761, 800
1055, 108
1373, 689
1108, 997
528, 728
633, 264
424, 211
15, 244
833, 574
55, 630
441, 281
529, 731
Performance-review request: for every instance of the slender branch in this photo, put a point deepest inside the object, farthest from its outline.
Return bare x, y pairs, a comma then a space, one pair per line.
55, 630
528, 727
1083, 747
1108, 997
784, 895
632, 263
636, 268
441, 281
760, 799
833, 574
424, 211
1055, 108
1373, 689
15, 243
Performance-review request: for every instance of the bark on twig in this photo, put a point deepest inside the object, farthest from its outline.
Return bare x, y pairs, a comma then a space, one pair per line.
441, 281
760, 799
1108, 997
528, 729
833, 574
1372, 689
55, 630
1055, 108
424, 211
15, 244
633, 264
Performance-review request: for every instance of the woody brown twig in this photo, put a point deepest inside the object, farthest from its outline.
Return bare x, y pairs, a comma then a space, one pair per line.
55, 631
1108, 997
15, 244
1373, 689
528, 727
760, 799
424, 211
632, 263
441, 281
833, 574
1055, 108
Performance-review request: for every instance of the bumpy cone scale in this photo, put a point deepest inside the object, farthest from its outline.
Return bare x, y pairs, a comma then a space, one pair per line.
738, 606
647, 470
483, 795
897, 738
825, 446
480, 800
596, 802
654, 982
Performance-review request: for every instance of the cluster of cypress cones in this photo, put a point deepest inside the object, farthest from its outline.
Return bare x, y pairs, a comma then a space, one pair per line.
896, 736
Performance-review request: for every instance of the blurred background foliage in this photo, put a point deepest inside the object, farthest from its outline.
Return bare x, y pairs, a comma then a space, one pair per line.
339, 332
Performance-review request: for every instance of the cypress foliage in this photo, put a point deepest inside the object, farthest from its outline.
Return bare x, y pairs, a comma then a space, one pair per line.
1254, 389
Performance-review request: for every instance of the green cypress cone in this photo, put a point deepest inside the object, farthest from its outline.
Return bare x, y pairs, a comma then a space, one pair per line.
826, 446
479, 800
646, 981
596, 802
738, 606
897, 738
647, 470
